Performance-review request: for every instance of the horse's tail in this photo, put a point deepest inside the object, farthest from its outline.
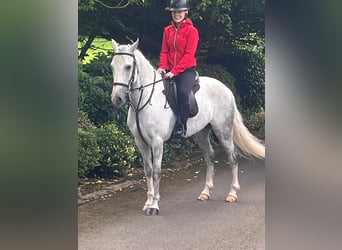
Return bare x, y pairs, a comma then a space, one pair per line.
247, 142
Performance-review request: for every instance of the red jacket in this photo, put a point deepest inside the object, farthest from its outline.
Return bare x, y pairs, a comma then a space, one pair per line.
179, 47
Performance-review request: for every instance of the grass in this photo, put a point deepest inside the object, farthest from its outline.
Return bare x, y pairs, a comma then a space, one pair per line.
99, 45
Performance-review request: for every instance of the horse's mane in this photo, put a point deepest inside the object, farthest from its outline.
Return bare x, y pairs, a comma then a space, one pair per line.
144, 65
140, 56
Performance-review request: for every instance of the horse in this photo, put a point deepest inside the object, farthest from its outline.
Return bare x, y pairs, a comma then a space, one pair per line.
151, 123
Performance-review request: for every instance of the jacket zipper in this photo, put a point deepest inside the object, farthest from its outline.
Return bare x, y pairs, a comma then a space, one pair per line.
174, 45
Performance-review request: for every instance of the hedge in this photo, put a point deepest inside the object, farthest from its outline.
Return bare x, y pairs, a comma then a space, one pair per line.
88, 152
118, 152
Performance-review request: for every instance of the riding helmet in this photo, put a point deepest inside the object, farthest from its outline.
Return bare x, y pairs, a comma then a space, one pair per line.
177, 5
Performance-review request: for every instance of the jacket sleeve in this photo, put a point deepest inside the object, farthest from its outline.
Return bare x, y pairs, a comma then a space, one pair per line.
189, 55
164, 52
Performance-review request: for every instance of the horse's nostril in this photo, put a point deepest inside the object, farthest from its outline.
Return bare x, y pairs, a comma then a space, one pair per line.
119, 101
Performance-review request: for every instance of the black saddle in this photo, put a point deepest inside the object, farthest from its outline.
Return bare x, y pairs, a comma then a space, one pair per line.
170, 92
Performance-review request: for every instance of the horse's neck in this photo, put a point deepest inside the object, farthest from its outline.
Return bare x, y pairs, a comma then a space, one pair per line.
147, 73
146, 77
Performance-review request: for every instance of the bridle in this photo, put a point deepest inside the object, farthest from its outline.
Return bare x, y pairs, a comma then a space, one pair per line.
129, 85
137, 107
131, 80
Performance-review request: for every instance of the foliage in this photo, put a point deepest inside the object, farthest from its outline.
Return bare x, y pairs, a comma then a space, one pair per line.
117, 151
103, 151
97, 47
84, 123
94, 90
95, 87
220, 73
231, 35
88, 152
249, 72
256, 122
179, 147
252, 79
231, 49
248, 49
88, 5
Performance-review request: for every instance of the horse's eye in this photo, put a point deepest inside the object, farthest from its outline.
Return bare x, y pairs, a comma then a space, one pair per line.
128, 67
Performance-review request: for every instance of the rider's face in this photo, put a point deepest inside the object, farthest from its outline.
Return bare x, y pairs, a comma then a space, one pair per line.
178, 16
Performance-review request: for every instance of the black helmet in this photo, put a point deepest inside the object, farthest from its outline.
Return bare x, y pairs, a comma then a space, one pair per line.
176, 5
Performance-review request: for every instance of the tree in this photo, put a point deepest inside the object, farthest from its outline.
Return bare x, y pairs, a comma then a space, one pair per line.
96, 17
231, 35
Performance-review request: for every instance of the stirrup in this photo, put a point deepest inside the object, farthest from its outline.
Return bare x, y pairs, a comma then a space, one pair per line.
180, 130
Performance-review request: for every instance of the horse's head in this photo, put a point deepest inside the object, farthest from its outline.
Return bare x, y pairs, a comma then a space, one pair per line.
124, 71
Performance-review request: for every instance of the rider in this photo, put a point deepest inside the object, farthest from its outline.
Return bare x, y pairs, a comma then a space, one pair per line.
177, 57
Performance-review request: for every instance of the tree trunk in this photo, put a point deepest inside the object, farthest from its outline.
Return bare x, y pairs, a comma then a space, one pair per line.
86, 46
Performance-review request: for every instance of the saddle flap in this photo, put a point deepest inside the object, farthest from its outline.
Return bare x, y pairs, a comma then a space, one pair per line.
170, 92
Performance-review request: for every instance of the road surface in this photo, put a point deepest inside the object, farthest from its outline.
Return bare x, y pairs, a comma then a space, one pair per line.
118, 222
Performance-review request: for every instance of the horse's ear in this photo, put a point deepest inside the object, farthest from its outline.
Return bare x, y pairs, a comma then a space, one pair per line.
135, 44
115, 45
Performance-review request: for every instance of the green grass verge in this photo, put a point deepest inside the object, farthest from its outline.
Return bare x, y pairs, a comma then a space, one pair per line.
99, 45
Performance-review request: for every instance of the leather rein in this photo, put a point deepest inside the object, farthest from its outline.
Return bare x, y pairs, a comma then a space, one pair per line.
137, 108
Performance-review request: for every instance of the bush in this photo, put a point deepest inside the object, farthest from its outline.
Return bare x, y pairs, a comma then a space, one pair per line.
117, 151
220, 73
252, 83
95, 87
179, 148
84, 122
249, 71
88, 152
256, 123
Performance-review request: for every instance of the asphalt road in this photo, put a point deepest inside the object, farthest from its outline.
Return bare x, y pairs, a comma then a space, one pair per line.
118, 222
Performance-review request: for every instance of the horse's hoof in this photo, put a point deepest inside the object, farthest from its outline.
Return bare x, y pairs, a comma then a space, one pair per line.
203, 197
146, 207
152, 211
231, 198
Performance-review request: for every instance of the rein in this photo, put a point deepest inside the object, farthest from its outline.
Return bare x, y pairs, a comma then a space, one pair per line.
137, 108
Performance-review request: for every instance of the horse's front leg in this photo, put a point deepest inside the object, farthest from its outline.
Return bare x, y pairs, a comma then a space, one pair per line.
157, 151
147, 160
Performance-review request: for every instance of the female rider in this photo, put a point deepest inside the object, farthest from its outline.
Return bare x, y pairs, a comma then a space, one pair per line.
177, 57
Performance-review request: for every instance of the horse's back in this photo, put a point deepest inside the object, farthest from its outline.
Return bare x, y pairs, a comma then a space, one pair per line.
214, 91
214, 100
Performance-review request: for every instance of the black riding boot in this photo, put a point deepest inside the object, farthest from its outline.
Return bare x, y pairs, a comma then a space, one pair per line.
181, 127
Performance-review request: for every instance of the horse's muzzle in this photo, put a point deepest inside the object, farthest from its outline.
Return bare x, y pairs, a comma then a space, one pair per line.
118, 100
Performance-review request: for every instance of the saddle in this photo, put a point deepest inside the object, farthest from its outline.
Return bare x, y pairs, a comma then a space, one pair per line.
170, 92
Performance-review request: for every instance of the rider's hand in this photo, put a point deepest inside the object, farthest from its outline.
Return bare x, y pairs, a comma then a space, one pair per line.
160, 71
169, 75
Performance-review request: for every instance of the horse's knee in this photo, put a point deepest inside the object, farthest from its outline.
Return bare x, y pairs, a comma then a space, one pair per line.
233, 161
148, 172
156, 175
232, 155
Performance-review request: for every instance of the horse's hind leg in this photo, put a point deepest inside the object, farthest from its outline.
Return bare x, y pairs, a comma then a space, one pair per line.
225, 137
203, 141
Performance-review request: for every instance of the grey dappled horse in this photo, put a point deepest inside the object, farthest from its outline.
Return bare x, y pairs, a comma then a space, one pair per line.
152, 124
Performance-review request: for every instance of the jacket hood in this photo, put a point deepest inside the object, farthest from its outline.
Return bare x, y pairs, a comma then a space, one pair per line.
183, 23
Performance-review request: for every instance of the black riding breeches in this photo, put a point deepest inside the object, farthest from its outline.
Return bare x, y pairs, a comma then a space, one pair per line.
185, 82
